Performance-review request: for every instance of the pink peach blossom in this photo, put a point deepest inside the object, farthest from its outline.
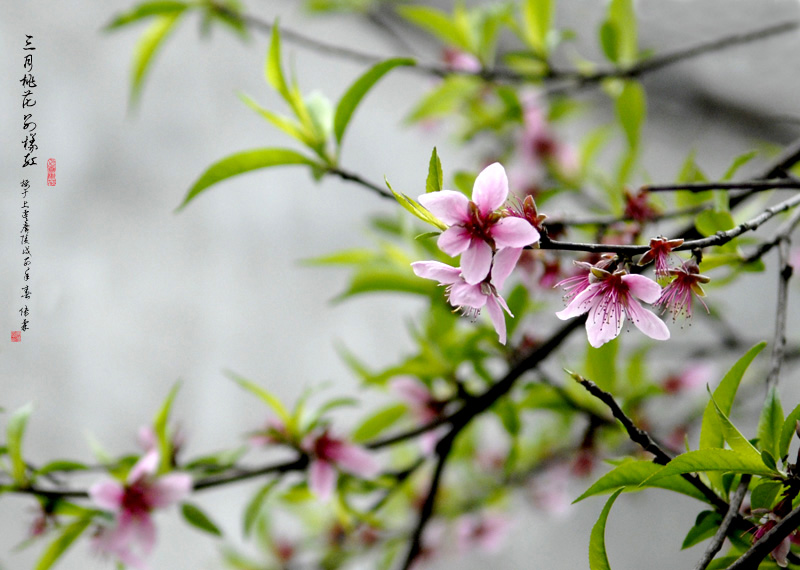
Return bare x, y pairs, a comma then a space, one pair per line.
609, 299
478, 227
328, 453
134, 536
677, 295
423, 406
486, 531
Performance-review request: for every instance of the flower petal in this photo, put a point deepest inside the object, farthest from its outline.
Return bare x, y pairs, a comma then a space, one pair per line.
448, 205
145, 532
170, 489
356, 460
504, 263
476, 262
145, 467
454, 240
646, 321
107, 495
498, 318
465, 295
322, 479
581, 303
645, 289
604, 322
411, 390
438, 271
490, 189
513, 232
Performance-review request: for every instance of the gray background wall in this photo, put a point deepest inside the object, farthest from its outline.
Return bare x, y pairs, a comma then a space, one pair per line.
129, 297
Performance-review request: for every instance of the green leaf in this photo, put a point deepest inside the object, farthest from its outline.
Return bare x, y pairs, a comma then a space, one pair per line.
242, 162
631, 108
705, 526
449, 96
598, 559
197, 518
146, 48
738, 162
601, 364
287, 125
146, 10
437, 23
350, 100
764, 494
15, 431
710, 222
377, 423
435, 179
770, 424
619, 32
609, 41
788, 431
160, 429
416, 208
733, 436
386, 279
538, 17
265, 396
256, 505
56, 548
711, 433
320, 110
635, 475
714, 461
59, 466
273, 70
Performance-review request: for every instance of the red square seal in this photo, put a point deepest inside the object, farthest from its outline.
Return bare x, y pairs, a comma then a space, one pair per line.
16, 336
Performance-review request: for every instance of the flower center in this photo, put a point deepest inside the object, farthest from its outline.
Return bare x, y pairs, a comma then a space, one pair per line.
479, 227
135, 500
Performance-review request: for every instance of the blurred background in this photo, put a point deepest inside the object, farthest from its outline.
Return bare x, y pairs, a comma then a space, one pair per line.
129, 297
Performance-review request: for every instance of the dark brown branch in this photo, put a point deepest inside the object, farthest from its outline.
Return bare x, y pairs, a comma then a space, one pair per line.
730, 516
353, 177
751, 559
752, 185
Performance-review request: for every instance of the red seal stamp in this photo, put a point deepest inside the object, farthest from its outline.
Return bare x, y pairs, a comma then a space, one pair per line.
16, 336
51, 171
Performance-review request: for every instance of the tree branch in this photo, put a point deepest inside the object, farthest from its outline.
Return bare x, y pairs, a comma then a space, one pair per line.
719, 537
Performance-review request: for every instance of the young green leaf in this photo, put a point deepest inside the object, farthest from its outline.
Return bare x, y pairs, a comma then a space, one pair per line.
15, 431
435, 179
538, 17
146, 48
265, 396
377, 423
770, 425
633, 475
598, 558
356, 92
733, 436
618, 33
711, 433
256, 505
764, 495
63, 541
417, 209
631, 108
705, 526
788, 431
160, 429
713, 461
289, 126
242, 162
437, 23
198, 519
146, 10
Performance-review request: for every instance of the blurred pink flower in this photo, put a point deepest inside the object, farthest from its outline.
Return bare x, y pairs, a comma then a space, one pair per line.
471, 298
549, 491
694, 375
458, 60
477, 229
329, 453
423, 406
273, 433
486, 531
609, 299
134, 536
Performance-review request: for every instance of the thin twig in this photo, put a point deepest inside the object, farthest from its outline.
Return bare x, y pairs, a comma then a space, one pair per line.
719, 537
781, 309
751, 559
353, 177
752, 185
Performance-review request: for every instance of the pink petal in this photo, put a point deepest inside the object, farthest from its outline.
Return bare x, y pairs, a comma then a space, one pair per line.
498, 318
145, 467
107, 495
428, 441
504, 263
454, 240
437, 271
645, 289
465, 295
513, 232
322, 479
476, 262
356, 460
170, 489
411, 390
646, 321
604, 323
145, 532
490, 189
581, 303
448, 205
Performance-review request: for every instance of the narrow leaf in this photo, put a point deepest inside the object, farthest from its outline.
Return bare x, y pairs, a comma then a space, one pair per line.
788, 431
273, 70
435, 179
15, 431
598, 558
56, 548
287, 125
146, 48
417, 209
377, 423
713, 460
265, 396
770, 424
631, 110
146, 10
538, 17
437, 23
350, 100
242, 162
198, 519
255, 506
161, 432
733, 436
705, 526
